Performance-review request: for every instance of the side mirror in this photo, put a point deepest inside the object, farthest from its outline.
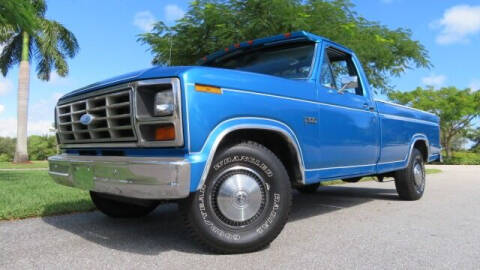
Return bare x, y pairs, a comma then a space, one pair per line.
348, 82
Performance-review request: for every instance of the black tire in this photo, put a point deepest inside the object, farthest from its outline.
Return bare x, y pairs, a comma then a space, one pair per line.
266, 175
308, 189
120, 209
410, 182
352, 180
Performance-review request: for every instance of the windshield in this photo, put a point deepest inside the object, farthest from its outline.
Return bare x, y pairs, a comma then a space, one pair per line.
292, 61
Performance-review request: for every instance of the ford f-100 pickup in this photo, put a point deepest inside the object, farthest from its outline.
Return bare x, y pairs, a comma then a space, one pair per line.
231, 137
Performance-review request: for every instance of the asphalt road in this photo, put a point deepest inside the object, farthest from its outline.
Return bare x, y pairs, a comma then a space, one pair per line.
361, 226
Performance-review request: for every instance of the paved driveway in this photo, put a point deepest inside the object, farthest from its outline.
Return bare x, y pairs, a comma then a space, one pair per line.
360, 226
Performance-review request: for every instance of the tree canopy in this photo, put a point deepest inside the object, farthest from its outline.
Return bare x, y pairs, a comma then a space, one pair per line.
210, 25
474, 136
456, 108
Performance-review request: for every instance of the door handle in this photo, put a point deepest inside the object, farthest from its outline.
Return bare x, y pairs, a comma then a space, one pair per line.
367, 106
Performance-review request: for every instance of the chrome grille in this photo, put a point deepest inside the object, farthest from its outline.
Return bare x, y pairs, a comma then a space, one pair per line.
112, 119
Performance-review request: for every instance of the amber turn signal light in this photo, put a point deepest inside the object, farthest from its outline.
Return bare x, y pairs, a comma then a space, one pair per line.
208, 89
165, 133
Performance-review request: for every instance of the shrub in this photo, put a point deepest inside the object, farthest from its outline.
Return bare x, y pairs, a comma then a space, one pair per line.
7, 148
4, 158
463, 158
41, 147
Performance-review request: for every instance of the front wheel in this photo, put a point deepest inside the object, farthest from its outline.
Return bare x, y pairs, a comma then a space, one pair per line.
410, 182
244, 202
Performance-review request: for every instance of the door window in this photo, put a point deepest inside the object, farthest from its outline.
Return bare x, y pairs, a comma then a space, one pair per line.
326, 75
337, 68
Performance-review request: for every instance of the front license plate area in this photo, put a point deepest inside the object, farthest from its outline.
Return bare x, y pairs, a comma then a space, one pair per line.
83, 176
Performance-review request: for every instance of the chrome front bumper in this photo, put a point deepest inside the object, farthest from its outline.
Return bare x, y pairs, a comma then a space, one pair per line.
134, 177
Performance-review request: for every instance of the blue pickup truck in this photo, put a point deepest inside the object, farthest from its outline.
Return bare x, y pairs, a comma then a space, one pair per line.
231, 137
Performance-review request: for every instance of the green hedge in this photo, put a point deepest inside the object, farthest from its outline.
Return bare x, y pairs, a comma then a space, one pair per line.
7, 148
39, 147
463, 158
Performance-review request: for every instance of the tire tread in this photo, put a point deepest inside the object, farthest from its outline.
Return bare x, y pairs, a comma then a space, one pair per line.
403, 180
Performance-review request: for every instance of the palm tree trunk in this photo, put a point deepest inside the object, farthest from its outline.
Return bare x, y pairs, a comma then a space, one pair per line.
21, 152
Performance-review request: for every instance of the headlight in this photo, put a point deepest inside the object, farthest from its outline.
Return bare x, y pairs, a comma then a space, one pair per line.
158, 112
164, 103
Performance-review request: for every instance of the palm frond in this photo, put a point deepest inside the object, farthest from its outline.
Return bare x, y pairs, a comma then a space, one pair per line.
53, 45
20, 15
44, 61
44, 67
66, 39
60, 63
50, 44
40, 7
11, 53
6, 34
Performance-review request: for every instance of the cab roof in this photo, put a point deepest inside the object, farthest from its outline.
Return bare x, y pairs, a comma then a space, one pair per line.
277, 39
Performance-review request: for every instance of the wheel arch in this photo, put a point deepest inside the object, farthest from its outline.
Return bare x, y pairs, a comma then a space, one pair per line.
420, 142
245, 128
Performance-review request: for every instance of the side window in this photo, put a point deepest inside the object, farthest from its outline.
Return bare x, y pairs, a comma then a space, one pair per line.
340, 67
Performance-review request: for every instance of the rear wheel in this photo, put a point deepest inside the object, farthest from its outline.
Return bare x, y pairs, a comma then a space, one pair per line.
120, 208
410, 182
244, 203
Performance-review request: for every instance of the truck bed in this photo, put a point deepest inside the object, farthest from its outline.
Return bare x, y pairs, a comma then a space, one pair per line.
400, 126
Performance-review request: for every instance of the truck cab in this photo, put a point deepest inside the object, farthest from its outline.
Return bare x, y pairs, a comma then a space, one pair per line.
230, 137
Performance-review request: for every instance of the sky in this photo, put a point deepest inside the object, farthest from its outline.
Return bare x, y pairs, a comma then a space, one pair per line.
107, 31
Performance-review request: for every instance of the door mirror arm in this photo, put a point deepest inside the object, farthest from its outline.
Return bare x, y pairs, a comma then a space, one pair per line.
348, 82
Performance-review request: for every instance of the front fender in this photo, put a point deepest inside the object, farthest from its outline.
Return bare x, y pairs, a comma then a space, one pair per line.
202, 159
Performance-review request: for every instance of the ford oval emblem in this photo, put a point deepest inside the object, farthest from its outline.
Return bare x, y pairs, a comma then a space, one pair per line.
86, 119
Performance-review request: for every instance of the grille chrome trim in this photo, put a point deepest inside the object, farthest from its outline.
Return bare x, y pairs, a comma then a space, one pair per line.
112, 119
75, 104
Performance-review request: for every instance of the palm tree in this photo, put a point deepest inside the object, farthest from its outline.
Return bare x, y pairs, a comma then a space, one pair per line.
49, 45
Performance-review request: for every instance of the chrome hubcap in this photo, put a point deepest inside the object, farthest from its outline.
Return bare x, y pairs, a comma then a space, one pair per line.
240, 196
418, 175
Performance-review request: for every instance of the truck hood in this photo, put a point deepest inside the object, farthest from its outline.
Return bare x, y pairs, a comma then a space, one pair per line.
150, 73
226, 78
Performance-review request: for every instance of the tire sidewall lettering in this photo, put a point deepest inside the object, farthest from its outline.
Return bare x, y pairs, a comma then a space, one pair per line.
243, 158
272, 215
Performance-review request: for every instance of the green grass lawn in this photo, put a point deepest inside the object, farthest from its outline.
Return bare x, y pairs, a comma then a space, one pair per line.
432, 171
25, 193
30, 165
33, 193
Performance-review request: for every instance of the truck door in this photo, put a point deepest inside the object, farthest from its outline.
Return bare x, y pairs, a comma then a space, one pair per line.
348, 123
